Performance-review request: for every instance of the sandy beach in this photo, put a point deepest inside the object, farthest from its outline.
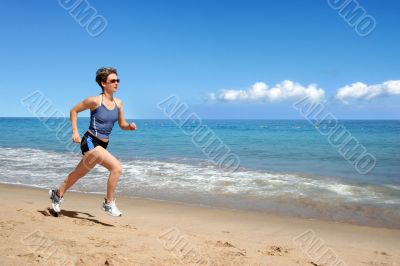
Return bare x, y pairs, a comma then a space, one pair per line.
166, 233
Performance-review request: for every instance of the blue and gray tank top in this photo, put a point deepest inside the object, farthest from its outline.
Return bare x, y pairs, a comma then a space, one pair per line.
102, 120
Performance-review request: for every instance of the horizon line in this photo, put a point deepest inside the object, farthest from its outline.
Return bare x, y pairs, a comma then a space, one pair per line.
301, 119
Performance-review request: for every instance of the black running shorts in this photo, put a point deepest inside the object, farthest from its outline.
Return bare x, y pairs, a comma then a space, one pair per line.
89, 142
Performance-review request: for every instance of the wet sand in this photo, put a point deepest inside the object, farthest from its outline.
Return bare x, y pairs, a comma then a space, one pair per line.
154, 232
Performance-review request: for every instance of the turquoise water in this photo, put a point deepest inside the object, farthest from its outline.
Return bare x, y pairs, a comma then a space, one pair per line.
286, 166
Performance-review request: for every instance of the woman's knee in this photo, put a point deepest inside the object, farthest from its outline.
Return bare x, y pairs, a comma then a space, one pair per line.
116, 169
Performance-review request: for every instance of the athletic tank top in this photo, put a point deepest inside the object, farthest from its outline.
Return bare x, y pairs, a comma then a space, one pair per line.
102, 120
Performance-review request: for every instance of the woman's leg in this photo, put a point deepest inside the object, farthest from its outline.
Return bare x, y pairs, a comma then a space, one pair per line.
89, 160
115, 168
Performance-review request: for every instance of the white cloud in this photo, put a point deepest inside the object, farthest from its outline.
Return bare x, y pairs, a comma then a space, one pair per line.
260, 92
363, 91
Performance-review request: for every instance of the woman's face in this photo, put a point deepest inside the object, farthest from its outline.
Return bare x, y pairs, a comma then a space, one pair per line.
111, 84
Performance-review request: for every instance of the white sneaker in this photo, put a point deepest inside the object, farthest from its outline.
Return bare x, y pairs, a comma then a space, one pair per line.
55, 200
111, 209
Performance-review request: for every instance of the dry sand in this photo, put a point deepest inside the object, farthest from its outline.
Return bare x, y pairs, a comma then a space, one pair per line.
154, 232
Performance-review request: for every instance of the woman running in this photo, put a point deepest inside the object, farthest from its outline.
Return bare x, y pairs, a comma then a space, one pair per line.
105, 109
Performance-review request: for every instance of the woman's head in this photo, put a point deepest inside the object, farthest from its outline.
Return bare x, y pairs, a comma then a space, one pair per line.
107, 78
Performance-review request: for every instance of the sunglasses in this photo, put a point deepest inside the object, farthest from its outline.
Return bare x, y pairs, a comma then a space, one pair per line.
114, 80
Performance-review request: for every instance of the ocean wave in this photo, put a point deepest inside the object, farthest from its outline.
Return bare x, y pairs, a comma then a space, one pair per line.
203, 180
40, 167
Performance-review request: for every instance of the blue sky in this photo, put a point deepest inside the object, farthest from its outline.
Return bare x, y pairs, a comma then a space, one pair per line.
194, 48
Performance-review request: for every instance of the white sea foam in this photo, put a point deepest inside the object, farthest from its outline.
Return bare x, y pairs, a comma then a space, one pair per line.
48, 168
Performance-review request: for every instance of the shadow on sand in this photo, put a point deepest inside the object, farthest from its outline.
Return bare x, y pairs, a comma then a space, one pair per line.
73, 214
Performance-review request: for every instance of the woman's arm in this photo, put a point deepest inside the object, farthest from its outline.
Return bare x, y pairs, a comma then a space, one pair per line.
123, 124
88, 103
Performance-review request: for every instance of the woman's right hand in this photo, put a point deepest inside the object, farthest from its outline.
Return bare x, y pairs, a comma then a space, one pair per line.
76, 138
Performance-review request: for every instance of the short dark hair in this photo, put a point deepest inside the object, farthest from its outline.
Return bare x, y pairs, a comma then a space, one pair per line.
102, 74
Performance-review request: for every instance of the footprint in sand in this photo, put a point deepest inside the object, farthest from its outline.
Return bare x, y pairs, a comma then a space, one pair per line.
128, 226
381, 258
100, 242
8, 227
231, 253
84, 222
274, 251
29, 214
381, 253
226, 244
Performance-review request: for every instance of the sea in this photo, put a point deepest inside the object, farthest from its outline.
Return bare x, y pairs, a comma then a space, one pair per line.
284, 167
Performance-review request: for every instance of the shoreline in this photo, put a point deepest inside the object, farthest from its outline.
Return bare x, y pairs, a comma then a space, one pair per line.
230, 203
278, 174
149, 230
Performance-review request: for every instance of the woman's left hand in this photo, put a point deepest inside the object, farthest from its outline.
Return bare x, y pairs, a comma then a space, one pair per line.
132, 126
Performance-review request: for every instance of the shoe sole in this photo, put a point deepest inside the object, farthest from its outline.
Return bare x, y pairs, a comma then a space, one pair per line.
104, 209
52, 204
